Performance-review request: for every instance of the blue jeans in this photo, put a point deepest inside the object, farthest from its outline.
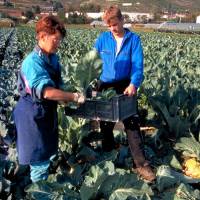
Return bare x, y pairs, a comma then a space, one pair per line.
40, 170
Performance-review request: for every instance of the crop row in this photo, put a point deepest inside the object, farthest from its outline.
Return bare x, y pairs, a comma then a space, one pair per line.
169, 100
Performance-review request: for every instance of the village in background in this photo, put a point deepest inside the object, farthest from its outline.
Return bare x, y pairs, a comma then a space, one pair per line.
168, 102
182, 17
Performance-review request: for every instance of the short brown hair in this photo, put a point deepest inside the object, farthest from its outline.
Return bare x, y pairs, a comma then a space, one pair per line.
50, 25
112, 12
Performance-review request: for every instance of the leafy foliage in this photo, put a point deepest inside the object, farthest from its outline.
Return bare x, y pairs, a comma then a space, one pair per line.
189, 147
105, 180
79, 76
46, 190
169, 97
167, 177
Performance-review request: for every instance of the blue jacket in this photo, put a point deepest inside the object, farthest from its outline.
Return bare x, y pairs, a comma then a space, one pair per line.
35, 73
128, 64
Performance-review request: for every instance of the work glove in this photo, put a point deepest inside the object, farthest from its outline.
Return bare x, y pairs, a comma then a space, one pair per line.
79, 98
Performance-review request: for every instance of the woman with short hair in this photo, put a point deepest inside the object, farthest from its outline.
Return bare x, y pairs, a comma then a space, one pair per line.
35, 114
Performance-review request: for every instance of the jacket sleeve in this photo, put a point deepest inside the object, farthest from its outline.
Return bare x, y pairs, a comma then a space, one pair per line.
137, 63
36, 78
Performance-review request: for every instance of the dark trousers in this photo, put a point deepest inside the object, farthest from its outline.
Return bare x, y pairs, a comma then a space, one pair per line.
131, 124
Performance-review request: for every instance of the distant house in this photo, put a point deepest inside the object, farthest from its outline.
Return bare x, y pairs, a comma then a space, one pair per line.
90, 15
198, 19
127, 25
67, 14
97, 23
173, 16
48, 13
2, 2
127, 4
133, 16
46, 9
102, 23
38, 16
95, 15
12, 13
172, 26
136, 16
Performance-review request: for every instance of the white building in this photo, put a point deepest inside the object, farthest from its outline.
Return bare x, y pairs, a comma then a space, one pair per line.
97, 23
95, 15
134, 16
67, 14
198, 19
127, 4
173, 16
2, 2
48, 13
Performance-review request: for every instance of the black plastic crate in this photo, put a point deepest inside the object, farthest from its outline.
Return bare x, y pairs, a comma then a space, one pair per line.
116, 109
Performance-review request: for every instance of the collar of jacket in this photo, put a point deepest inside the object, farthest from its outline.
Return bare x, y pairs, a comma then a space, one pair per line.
41, 54
127, 33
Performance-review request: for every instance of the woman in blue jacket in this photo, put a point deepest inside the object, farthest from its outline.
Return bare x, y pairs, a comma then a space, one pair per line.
122, 56
35, 114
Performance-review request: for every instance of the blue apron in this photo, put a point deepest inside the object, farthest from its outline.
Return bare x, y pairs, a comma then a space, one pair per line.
36, 123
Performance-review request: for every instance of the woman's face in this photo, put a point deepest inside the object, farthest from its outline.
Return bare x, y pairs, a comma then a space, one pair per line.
49, 43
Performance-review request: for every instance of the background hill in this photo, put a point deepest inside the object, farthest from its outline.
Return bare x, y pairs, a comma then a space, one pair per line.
137, 5
150, 5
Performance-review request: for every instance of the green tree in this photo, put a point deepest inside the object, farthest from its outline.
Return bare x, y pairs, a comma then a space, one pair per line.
3, 15
126, 18
57, 5
36, 9
157, 17
61, 15
75, 18
8, 4
29, 14
90, 7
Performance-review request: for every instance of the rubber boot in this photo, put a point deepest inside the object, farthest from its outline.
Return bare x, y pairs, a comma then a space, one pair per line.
137, 152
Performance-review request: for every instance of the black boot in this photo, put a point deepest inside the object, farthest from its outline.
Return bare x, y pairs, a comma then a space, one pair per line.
137, 152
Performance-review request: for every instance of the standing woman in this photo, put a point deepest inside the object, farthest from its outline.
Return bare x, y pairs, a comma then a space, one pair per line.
35, 114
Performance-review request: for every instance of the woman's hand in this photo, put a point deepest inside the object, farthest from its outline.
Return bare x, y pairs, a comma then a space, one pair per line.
130, 90
51, 93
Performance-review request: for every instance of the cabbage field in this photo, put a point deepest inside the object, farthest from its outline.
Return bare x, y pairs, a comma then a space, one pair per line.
169, 106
